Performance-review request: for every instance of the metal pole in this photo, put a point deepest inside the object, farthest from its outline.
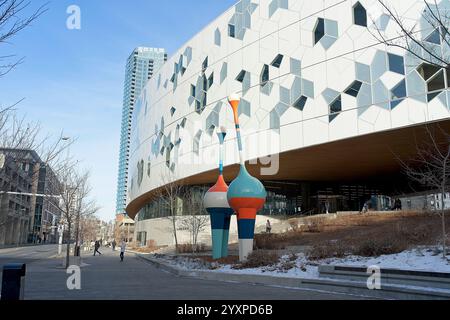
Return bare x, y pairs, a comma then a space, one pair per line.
61, 232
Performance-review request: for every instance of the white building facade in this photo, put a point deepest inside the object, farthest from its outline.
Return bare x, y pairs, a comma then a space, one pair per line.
309, 73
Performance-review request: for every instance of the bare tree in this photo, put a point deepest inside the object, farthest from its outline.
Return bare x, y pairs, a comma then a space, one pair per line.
85, 208
13, 19
74, 195
424, 42
196, 219
171, 196
430, 167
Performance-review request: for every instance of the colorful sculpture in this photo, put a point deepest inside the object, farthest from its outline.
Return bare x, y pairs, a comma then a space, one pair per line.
246, 194
216, 204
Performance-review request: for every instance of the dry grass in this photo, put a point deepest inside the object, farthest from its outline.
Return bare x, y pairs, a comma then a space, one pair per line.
259, 258
189, 248
369, 234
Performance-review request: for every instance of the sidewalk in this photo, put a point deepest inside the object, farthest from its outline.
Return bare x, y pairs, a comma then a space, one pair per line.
357, 288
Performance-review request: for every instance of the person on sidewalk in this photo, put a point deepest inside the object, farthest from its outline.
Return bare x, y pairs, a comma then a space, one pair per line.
114, 245
96, 246
123, 245
268, 226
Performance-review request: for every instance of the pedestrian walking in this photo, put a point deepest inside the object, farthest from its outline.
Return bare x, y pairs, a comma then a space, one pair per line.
123, 245
96, 246
114, 245
268, 226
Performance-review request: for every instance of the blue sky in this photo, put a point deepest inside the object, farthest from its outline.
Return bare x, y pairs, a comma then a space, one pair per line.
72, 79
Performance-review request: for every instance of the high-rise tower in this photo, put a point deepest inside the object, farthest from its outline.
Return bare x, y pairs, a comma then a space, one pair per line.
141, 65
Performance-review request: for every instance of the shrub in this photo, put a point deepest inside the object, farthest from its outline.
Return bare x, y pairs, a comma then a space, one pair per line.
259, 258
294, 224
316, 224
331, 249
375, 248
269, 241
189, 248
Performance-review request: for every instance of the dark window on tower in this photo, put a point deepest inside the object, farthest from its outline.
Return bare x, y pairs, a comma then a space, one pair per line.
319, 30
359, 15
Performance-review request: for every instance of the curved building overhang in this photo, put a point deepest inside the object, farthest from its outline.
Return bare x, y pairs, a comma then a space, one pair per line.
353, 159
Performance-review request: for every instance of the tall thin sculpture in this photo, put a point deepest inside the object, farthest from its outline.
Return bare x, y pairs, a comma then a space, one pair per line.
246, 194
216, 204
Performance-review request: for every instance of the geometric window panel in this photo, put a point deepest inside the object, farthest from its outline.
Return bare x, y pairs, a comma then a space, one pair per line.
277, 61
399, 91
353, 89
437, 82
396, 63
300, 103
335, 108
427, 70
359, 15
264, 75
172, 111
241, 76
434, 37
205, 64
210, 80
319, 30
223, 72
183, 122
448, 77
196, 143
231, 31
192, 90
217, 37
245, 108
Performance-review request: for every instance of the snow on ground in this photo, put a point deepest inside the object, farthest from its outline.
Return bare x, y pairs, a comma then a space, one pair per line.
425, 259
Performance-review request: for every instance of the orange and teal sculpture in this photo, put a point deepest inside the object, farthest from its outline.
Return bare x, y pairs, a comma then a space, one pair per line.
246, 194
216, 204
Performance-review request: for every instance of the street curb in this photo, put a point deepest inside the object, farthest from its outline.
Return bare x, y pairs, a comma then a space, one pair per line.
331, 285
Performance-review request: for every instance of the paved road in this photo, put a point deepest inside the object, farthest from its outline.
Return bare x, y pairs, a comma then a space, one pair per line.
105, 277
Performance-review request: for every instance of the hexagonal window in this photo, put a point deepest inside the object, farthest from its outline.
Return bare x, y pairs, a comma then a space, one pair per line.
319, 30
172, 111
